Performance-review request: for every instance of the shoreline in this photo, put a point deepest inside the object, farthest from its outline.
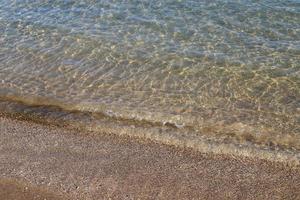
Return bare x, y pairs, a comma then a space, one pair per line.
84, 165
183, 138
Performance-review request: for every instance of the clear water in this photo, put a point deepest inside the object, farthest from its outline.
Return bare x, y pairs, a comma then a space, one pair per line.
222, 68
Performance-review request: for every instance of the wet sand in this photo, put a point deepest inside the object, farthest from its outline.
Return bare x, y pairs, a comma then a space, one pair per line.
16, 190
83, 165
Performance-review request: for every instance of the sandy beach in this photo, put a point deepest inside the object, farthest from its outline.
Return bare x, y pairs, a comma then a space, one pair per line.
57, 163
149, 100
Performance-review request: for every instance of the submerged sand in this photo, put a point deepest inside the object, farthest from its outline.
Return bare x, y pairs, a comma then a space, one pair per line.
82, 165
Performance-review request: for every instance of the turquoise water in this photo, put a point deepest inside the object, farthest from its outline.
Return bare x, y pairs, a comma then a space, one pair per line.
222, 68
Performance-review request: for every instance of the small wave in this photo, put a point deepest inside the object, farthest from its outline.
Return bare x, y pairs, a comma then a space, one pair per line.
164, 133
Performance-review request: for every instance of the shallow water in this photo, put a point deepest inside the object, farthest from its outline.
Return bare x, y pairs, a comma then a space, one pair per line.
227, 69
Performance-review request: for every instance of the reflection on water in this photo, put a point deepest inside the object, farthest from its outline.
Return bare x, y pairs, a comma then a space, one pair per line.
217, 67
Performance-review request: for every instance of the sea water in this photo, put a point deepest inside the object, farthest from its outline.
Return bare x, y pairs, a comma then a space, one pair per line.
175, 71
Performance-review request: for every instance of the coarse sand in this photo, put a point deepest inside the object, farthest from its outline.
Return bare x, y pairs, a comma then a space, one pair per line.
46, 162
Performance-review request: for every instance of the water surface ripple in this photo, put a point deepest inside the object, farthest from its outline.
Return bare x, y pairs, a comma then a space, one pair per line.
222, 68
